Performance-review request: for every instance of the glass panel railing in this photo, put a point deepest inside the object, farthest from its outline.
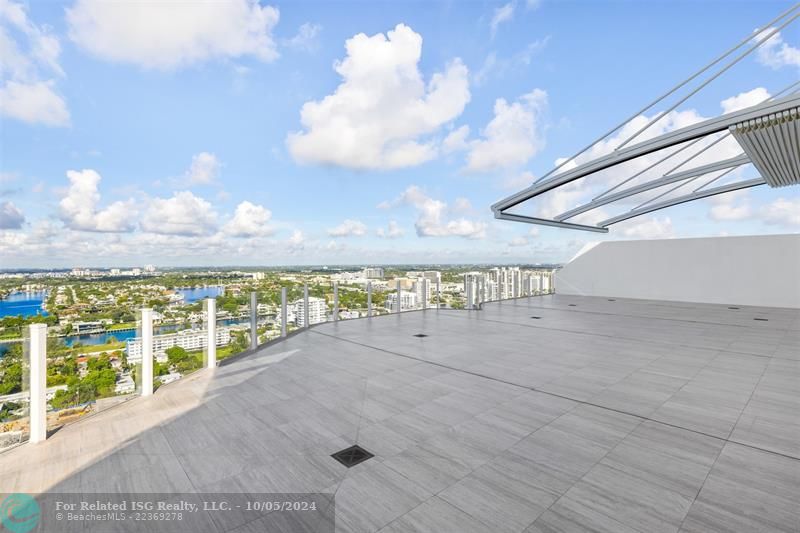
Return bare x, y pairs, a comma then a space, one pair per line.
14, 393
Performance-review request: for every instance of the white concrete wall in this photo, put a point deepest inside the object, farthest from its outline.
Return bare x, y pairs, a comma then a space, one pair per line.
759, 270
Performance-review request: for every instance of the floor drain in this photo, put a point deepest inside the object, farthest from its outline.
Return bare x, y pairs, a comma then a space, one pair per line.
573, 305
352, 456
611, 300
420, 335
733, 308
536, 317
762, 319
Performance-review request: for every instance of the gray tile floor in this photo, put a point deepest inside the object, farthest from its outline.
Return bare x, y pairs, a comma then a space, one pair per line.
600, 415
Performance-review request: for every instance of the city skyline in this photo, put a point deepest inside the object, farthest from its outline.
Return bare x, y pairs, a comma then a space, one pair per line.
235, 147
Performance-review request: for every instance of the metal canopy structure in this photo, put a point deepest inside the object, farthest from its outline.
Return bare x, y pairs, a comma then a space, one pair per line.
764, 137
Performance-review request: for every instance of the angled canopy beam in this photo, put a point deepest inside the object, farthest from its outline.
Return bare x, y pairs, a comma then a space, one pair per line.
667, 140
548, 222
654, 184
683, 199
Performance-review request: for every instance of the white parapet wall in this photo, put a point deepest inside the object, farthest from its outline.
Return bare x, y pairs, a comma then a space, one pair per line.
761, 270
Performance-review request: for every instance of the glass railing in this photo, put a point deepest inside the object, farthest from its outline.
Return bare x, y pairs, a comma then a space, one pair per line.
92, 365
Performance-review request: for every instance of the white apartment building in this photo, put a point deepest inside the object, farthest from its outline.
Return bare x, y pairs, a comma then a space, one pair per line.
502, 283
422, 287
188, 339
317, 309
258, 276
372, 272
408, 300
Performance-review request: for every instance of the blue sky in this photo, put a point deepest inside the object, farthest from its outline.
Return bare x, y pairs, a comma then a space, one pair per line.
247, 133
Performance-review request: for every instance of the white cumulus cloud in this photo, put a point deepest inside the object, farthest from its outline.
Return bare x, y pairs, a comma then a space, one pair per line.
648, 228
512, 137
204, 169
29, 60
249, 220
34, 103
744, 100
182, 214
782, 212
730, 206
306, 38
168, 35
393, 231
78, 209
777, 53
434, 217
11, 217
296, 242
349, 228
383, 113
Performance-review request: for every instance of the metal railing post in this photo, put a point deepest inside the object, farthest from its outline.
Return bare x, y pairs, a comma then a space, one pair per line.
399, 305
212, 332
369, 299
147, 352
38, 382
438, 292
283, 311
424, 293
335, 301
253, 320
305, 305
468, 293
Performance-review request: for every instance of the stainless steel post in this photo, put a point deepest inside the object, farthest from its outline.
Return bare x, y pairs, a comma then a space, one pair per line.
369, 299
399, 305
253, 320
283, 312
335, 301
305, 305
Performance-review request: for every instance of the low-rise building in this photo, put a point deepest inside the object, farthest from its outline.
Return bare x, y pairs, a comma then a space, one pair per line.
408, 300
188, 339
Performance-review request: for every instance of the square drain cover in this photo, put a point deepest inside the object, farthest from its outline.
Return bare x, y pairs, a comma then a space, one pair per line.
536, 317
352, 456
733, 308
573, 305
420, 335
762, 319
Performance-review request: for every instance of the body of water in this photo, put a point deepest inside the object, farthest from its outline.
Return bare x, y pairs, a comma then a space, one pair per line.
190, 296
103, 338
29, 303
23, 303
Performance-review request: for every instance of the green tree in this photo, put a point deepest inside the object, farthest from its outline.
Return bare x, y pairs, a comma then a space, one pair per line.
11, 370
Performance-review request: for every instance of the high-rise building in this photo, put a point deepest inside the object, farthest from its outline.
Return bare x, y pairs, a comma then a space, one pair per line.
473, 281
317, 309
422, 288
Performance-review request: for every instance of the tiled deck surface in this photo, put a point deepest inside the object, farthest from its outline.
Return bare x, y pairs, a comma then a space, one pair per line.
617, 416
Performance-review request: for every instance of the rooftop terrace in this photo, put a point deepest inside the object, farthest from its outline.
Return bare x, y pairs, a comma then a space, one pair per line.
542, 414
